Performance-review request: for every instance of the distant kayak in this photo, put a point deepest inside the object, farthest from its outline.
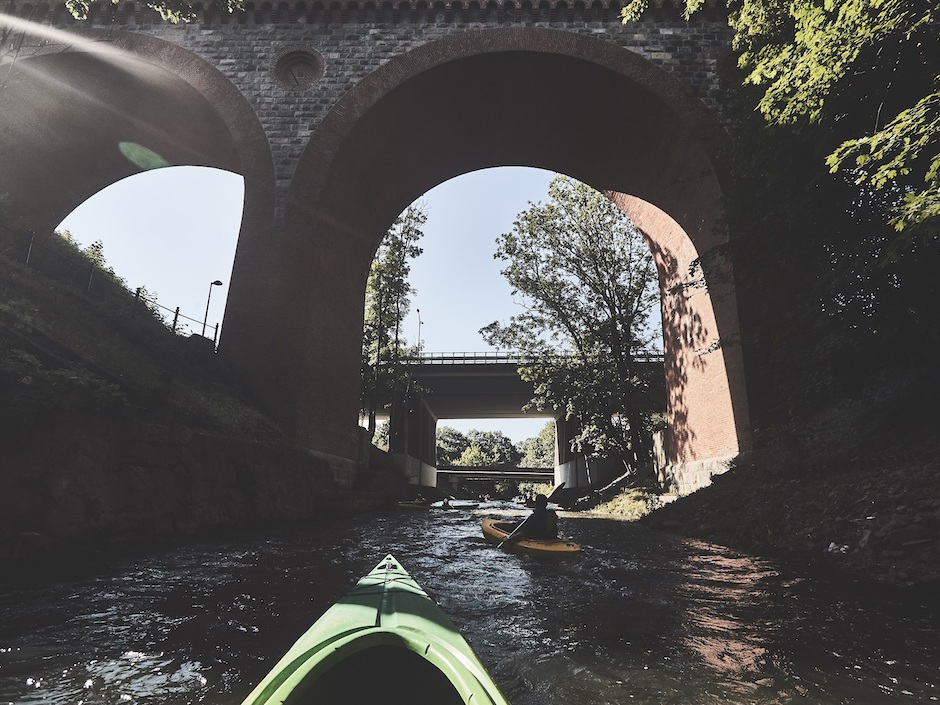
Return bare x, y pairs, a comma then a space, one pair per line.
438, 505
497, 532
414, 505
386, 641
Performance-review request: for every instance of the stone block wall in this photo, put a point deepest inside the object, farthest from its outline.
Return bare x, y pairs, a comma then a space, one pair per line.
236, 65
89, 484
686, 478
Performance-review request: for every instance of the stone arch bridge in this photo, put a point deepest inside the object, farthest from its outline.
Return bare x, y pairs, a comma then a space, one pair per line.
339, 114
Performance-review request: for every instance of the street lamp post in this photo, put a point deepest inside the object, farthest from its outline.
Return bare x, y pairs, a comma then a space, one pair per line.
204, 320
418, 310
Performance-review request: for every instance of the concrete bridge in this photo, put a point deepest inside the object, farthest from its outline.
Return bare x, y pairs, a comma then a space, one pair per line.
483, 385
469, 385
450, 477
340, 114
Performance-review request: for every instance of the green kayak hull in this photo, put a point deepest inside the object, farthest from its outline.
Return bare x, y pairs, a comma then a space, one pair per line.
387, 641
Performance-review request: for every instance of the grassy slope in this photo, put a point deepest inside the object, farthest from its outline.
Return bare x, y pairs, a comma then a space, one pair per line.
63, 350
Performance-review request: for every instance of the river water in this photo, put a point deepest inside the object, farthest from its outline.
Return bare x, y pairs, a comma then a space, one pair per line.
638, 617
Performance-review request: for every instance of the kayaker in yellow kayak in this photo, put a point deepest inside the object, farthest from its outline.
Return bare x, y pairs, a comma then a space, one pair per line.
542, 523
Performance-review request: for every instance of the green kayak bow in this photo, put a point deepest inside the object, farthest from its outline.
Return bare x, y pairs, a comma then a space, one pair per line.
385, 641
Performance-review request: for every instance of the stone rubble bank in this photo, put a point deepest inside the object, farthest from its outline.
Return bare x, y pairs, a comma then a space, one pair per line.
873, 518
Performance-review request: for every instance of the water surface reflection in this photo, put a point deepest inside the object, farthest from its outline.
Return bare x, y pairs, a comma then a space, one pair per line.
639, 617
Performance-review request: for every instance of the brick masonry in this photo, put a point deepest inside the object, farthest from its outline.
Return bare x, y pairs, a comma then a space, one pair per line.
353, 41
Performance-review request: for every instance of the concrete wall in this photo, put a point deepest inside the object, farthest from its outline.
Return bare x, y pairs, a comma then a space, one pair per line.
414, 471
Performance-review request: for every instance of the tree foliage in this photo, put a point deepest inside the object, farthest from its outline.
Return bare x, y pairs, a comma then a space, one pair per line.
174, 11
494, 445
451, 444
539, 451
589, 287
487, 448
475, 448
833, 304
380, 438
387, 303
474, 456
868, 71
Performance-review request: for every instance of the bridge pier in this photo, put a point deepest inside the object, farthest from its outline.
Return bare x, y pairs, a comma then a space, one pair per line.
412, 439
412, 429
570, 468
576, 470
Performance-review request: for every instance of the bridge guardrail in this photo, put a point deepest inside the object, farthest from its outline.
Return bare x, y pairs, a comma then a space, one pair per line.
493, 357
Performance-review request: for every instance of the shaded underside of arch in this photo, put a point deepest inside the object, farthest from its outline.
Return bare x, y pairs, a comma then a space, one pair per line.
504, 97
492, 97
69, 105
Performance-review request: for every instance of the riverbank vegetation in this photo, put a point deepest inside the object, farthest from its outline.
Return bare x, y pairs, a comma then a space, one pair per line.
65, 351
851, 490
861, 74
864, 503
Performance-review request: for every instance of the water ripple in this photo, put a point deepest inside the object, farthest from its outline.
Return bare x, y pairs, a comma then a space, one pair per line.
639, 617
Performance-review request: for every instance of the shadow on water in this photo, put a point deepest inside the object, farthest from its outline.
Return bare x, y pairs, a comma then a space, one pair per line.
638, 617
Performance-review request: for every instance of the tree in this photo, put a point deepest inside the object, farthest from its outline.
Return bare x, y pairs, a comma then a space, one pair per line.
474, 457
487, 448
868, 72
451, 444
539, 451
388, 301
832, 303
381, 436
476, 448
589, 288
494, 445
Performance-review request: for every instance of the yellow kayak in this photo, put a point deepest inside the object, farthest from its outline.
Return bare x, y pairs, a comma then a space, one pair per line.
497, 531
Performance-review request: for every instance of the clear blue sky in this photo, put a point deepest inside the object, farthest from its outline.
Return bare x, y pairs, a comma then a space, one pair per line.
174, 231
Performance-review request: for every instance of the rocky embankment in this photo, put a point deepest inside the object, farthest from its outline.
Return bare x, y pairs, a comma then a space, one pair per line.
873, 516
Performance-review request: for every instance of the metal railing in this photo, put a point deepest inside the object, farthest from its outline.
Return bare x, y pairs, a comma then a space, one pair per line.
496, 357
97, 281
464, 358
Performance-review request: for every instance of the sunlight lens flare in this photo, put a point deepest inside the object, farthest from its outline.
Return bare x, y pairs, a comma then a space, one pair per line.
141, 156
56, 36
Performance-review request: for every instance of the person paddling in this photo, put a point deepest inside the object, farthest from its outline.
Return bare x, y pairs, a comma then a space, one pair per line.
542, 523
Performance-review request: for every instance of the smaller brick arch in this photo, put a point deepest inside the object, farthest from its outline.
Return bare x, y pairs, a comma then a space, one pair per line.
157, 94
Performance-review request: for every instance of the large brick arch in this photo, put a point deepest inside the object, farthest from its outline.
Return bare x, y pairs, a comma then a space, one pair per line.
69, 103
497, 97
